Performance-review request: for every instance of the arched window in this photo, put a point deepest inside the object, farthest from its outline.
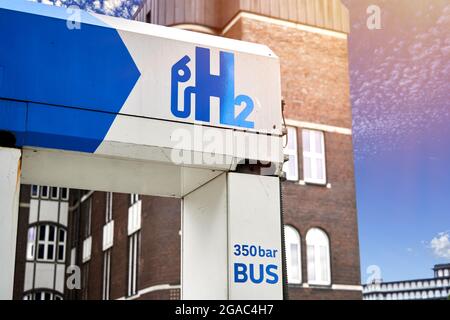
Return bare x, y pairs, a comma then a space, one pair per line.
293, 254
46, 242
318, 257
43, 295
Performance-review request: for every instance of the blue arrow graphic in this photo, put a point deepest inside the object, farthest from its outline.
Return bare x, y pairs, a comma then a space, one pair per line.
74, 81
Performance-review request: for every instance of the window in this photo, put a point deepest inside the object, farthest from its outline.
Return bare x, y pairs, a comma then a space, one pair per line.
291, 166
44, 192
134, 225
134, 198
318, 257
51, 244
42, 295
88, 218
54, 193
109, 205
314, 168
61, 245
87, 249
106, 274
64, 194
31, 243
34, 191
133, 260
46, 243
134, 216
108, 228
293, 256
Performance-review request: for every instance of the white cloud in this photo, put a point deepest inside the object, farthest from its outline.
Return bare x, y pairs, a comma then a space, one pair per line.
441, 245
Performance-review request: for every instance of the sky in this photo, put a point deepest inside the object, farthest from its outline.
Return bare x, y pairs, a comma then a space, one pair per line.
118, 8
400, 92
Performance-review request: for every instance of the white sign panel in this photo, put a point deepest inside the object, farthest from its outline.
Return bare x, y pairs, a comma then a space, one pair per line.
137, 91
254, 238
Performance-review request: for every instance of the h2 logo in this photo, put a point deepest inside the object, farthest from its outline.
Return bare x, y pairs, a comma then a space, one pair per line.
207, 86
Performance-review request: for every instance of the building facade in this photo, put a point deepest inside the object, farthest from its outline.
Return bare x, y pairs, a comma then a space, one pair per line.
436, 288
129, 246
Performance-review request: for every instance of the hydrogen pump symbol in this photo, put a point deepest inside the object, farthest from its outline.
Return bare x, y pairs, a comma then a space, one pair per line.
207, 86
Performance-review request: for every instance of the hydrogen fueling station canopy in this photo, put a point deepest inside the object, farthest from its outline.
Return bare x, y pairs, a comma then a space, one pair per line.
96, 102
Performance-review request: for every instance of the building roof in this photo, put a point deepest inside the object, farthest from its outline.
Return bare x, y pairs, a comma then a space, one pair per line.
441, 266
216, 14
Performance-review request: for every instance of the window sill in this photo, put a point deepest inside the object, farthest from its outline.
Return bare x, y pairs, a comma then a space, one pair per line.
310, 286
308, 184
319, 286
315, 184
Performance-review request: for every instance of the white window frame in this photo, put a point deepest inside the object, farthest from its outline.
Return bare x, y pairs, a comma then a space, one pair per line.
61, 244
88, 222
314, 155
292, 237
291, 150
48, 192
133, 263
315, 240
109, 206
106, 275
38, 190
52, 295
134, 198
134, 217
67, 194
51, 193
87, 248
46, 242
31, 243
108, 236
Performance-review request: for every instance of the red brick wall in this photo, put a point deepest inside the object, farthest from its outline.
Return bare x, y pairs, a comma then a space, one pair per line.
314, 70
161, 242
159, 252
320, 294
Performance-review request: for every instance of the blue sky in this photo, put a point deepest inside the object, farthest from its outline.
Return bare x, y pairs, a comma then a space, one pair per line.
400, 89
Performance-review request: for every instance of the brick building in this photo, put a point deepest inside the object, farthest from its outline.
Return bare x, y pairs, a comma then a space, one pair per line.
129, 246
